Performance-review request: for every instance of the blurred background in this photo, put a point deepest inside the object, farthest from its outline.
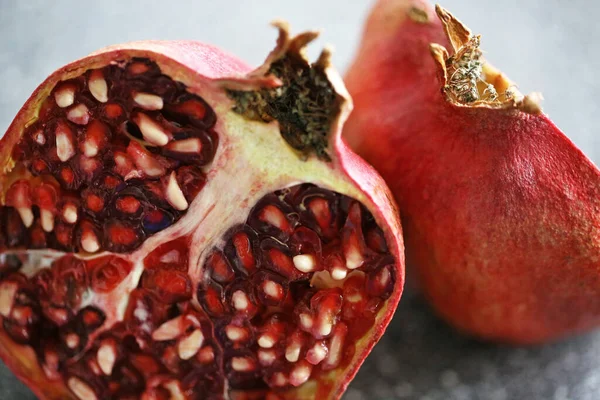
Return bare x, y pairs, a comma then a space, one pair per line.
543, 45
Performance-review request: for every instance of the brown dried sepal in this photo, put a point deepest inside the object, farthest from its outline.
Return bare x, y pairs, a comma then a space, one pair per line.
469, 81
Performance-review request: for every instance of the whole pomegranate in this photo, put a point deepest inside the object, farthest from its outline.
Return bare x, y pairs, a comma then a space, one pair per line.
176, 226
500, 210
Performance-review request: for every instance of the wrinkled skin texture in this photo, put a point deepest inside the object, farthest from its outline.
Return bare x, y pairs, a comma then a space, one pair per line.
163, 241
501, 211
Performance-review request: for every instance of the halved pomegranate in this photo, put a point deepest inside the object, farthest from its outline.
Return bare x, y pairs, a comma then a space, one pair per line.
501, 211
176, 226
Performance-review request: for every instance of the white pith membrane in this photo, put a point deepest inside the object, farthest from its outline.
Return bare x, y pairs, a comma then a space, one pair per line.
262, 281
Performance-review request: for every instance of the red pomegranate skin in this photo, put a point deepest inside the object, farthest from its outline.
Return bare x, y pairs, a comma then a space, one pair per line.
500, 210
206, 69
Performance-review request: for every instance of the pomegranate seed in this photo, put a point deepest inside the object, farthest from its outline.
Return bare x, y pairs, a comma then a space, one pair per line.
65, 95
39, 137
169, 330
272, 290
242, 364
191, 108
306, 322
148, 101
128, 204
19, 197
7, 295
294, 346
266, 341
82, 390
98, 87
279, 379
192, 146
152, 131
113, 111
65, 148
328, 304
79, 114
174, 195
145, 160
243, 249
107, 355
137, 68
336, 345
305, 262
89, 240
121, 235
300, 373
94, 138
220, 269
266, 357
339, 273
70, 213
379, 282
317, 353
72, 340
274, 216
322, 212
189, 346
206, 355
236, 333
240, 301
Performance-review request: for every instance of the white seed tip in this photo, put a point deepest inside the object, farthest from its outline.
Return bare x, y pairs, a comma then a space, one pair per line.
325, 328
304, 262
353, 258
306, 321
266, 357
79, 115
106, 358
26, 216
7, 297
40, 138
70, 213
98, 87
174, 194
242, 364
300, 374
81, 389
153, 133
316, 354
64, 144
47, 219
272, 289
90, 149
148, 101
191, 145
339, 273
234, 333
189, 346
240, 300
89, 242
279, 379
266, 342
72, 340
65, 96
169, 330
292, 352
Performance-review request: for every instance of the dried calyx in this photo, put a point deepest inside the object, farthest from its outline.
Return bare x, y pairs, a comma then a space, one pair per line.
470, 81
157, 242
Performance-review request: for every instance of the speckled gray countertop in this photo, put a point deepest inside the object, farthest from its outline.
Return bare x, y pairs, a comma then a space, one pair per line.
544, 45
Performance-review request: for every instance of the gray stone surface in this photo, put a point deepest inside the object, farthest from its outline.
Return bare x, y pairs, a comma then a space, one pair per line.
544, 45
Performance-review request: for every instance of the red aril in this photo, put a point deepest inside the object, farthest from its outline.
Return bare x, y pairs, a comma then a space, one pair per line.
499, 208
164, 215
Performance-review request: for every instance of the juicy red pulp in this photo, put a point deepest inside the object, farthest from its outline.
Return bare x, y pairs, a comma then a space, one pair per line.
285, 297
115, 156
